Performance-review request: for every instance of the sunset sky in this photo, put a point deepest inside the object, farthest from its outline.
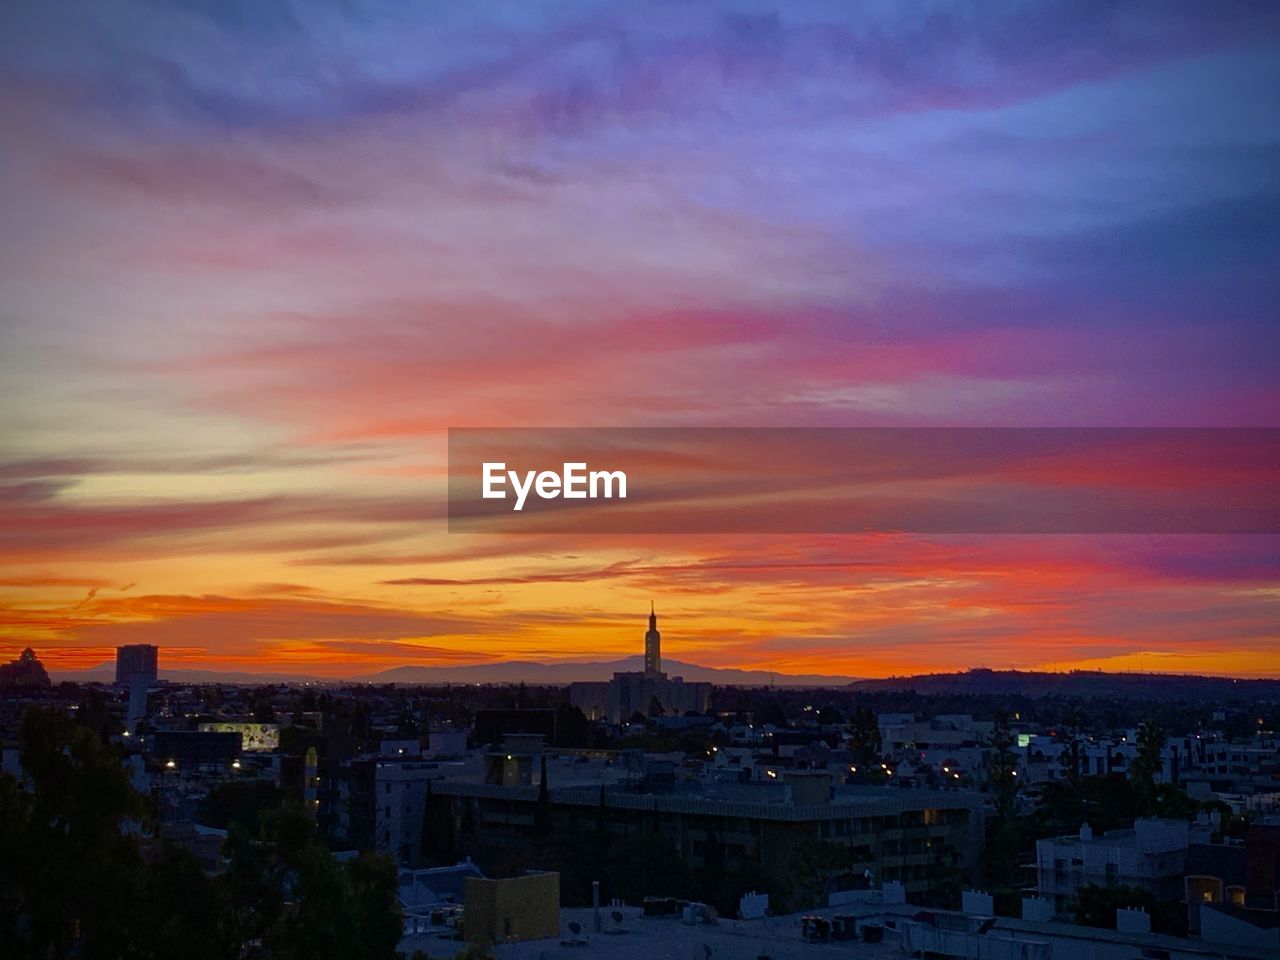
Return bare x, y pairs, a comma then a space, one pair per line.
256, 259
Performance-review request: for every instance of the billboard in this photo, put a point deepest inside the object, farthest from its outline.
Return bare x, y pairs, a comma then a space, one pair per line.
254, 737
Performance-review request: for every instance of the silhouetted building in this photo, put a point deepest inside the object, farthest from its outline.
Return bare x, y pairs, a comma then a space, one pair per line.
652, 644
135, 660
649, 692
26, 671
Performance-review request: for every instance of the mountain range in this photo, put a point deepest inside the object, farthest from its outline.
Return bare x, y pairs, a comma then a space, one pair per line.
1078, 683
507, 671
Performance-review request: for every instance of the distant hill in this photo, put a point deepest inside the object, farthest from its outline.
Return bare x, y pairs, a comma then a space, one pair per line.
106, 673
529, 671
508, 671
1079, 683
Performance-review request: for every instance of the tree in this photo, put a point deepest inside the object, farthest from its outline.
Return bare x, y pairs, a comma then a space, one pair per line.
187, 914
1004, 836
240, 801
1069, 760
655, 707
439, 841
865, 745
1070, 757
1147, 763
712, 879
71, 879
74, 881
542, 815
803, 877
290, 893
830, 717
602, 820
1002, 771
263, 711
772, 714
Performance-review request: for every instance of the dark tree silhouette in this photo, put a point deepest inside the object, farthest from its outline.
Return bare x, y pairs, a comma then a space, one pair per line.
74, 881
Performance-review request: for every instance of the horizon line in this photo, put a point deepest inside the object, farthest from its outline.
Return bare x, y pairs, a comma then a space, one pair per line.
378, 676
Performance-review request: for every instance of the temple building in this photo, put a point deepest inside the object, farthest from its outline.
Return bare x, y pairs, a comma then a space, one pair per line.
648, 692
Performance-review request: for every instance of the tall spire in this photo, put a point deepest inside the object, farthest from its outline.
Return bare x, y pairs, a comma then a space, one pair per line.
652, 644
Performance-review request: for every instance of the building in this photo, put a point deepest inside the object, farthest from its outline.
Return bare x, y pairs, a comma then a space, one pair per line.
26, 671
877, 926
922, 838
429, 895
652, 644
1151, 856
969, 934
138, 661
511, 910
399, 804
432, 887
646, 692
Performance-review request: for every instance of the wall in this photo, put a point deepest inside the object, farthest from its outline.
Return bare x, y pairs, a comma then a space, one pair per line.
510, 910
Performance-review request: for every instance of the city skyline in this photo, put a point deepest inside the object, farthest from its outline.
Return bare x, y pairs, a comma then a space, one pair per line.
258, 261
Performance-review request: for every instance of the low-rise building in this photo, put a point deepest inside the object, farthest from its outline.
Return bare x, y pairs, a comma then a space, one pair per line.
1151, 856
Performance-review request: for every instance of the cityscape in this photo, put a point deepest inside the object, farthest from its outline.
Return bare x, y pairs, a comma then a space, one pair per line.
646, 816
640, 480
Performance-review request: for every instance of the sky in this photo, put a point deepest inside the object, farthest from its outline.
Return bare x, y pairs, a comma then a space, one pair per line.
256, 259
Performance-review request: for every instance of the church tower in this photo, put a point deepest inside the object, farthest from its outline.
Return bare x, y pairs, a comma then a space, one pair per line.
652, 644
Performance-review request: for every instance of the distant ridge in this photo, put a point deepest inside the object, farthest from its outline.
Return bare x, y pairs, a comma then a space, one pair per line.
106, 673
1078, 683
530, 671
507, 671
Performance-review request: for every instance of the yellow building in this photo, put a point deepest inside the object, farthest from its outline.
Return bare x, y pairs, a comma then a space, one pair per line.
510, 910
